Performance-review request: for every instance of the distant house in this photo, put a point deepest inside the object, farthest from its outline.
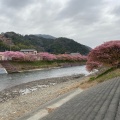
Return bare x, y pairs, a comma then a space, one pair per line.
32, 51
1, 57
74, 54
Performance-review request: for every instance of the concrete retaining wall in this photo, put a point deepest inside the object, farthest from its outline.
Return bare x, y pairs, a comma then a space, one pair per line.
2, 70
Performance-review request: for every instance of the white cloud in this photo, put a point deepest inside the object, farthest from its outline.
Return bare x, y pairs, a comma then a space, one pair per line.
89, 22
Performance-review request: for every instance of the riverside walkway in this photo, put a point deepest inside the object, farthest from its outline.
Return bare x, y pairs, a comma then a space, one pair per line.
101, 102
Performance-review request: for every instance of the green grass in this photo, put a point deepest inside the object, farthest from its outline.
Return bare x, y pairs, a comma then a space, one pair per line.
26, 65
108, 74
34, 65
92, 78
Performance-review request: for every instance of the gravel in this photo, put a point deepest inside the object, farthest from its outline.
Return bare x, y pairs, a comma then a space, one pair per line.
21, 99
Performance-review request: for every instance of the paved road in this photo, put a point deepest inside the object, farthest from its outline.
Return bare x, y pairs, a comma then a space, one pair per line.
101, 102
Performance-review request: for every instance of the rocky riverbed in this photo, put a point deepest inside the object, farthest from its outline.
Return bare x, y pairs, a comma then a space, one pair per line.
21, 99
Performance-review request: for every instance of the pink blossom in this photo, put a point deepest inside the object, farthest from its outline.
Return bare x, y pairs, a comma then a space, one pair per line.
47, 56
107, 54
14, 55
71, 57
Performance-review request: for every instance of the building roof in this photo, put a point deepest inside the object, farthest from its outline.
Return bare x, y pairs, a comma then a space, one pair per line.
75, 54
27, 50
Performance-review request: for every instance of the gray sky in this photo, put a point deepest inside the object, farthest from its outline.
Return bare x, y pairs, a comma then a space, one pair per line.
90, 22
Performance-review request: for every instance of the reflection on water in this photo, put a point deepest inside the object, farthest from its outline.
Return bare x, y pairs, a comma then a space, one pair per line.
9, 80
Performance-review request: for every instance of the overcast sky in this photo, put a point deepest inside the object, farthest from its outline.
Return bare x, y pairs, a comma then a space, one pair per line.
90, 22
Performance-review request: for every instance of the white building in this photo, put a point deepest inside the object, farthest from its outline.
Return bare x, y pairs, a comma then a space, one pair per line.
2, 57
74, 54
32, 51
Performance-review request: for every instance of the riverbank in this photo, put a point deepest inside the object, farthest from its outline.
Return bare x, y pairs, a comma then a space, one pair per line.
21, 99
18, 66
29, 87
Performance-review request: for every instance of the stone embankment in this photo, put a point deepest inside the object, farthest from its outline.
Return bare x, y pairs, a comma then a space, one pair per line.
9, 67
14, 68
101, 102
2, 70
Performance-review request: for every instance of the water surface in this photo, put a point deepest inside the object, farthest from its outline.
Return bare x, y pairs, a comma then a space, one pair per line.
9, 80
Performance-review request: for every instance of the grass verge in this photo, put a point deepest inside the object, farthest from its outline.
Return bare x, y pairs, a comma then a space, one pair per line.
106, 75
24, 65
109, 74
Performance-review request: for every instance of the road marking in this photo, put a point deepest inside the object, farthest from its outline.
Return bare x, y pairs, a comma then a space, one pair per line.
64, 100
42, 113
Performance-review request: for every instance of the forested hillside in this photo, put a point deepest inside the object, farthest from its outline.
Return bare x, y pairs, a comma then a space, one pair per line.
13, 41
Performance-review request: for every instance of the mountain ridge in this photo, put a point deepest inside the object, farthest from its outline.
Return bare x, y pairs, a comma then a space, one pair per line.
57, 46
45, 36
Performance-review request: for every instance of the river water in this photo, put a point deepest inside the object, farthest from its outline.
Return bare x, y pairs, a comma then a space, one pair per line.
9, 80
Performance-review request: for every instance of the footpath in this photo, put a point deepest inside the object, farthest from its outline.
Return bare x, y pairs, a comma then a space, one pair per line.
49, 107
101, 102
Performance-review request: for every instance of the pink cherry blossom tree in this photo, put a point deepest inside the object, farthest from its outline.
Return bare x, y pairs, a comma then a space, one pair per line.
107, 54
70, 57
64, 57
11, 55
30, 57
14, 55
47, 56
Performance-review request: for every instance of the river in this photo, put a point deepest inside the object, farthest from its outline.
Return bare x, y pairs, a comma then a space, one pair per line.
9, 80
